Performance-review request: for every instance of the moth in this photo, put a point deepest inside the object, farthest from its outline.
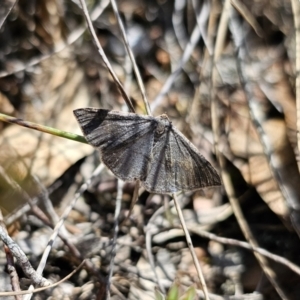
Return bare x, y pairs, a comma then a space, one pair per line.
147, 148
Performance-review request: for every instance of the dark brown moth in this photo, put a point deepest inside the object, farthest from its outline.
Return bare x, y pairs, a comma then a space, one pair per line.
147, 148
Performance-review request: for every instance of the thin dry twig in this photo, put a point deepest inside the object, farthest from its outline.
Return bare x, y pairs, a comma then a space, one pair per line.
248, 16
202, 22
43, 197
296, 13
191, 247
196, 34
22, 259
64, 216
17, 213
42, 128
116, 231
63, 234
13, 247
178, 23
6, 8
228, 183
104, 57
72, 38
130, 53
151, 229
134, 199
2, 294
14, 278
222, 31
245, 245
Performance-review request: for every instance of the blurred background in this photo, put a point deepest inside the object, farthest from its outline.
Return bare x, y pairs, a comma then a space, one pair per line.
224, 72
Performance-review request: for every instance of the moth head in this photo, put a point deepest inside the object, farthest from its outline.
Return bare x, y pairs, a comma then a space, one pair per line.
163, 123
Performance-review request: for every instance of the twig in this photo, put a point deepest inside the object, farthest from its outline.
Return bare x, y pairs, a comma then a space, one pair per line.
227, 180
196, 34
2, 294
202, 20
72, 38
22, 259
279, 167
64, 216
44, 218
178, 23
245, 245
104, 58
17, 213
191, 247
129, 51
116, 231
150, 231
42, 128
296, 13
222, 31
7, 6
248, 16
135, 198
13, 247
14, 278
63, 234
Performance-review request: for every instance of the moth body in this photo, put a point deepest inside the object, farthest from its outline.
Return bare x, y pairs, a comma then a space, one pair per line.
150, 149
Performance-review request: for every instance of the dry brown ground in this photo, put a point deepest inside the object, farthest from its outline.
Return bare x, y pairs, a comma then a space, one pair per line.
234, 98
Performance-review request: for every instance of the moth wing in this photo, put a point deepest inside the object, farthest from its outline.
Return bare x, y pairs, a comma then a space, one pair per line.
169, 164
131, 161
105, 128
177, 165
160, 178
124, 139
198, 172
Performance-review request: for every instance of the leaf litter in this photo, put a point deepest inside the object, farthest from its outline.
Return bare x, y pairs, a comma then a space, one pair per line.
43, 94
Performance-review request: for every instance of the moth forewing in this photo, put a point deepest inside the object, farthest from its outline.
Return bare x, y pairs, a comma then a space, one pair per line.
146, 148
